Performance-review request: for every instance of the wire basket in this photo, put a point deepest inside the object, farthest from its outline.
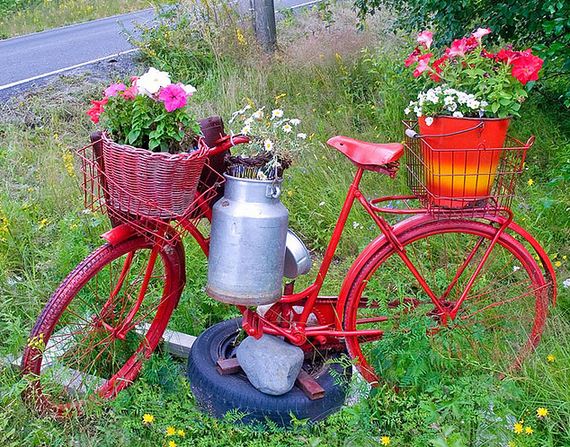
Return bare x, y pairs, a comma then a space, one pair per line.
463, 182
147, 190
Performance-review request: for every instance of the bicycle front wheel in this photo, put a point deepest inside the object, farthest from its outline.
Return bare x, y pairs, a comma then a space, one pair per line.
99, 326
498, 324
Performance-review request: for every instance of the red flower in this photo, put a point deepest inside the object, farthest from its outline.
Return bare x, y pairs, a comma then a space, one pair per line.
507, 55
437, 67
423, 64
486, 54
471, 43
526, 67
97, 109
413, 57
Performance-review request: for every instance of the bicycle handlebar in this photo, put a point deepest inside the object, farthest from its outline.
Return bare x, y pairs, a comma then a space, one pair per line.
226, 142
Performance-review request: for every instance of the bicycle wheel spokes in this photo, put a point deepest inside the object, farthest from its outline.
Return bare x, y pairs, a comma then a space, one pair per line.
104, 320
496, 326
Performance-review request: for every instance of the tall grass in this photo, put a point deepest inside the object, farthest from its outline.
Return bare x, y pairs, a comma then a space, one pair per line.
349, 90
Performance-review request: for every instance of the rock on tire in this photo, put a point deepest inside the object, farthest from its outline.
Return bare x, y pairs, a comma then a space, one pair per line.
217, 394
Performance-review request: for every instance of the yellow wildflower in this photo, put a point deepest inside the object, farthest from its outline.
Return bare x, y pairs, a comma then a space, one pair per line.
511, 444
542, 412
68, 162
148, 418
385, 440
530, 182
280, 96
181, 433
565, 257
289, 193
518, 428
528, 430
43, 223
550, 358
37, 342
170, 431
557, 264
240, 37
171, 444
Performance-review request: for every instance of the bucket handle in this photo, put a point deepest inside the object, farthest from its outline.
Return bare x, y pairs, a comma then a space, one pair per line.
411, 133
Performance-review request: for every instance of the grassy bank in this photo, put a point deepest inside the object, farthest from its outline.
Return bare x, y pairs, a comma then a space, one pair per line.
22, 17
324, 75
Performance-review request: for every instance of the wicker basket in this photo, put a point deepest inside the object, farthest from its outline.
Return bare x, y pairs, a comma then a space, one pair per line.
150, 184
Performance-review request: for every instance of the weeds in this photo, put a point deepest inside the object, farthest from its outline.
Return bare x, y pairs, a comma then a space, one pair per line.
359, 93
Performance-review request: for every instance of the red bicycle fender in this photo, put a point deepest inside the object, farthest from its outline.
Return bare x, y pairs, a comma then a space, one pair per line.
546, 263
118, 234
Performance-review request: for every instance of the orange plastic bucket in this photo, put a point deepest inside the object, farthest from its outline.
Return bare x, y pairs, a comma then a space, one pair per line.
461, 158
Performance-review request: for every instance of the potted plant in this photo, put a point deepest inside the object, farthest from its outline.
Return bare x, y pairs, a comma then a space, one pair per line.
151, 156
468, 98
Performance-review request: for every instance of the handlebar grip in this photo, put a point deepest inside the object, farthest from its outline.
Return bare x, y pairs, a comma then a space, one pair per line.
411, 133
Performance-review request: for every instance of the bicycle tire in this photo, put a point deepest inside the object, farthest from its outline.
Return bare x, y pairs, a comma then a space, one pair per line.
60, 351
422, 244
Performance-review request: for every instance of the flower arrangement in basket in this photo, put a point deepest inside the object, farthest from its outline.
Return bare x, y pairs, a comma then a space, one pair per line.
467, 99
276, 140
151, 157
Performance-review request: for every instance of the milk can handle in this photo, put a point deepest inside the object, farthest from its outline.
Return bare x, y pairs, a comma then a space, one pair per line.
273, 191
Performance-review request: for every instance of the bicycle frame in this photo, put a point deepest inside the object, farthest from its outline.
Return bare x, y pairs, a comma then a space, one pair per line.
283, 320
298, 331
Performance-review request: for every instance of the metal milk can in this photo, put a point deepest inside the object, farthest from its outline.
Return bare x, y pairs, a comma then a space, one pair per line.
247, 243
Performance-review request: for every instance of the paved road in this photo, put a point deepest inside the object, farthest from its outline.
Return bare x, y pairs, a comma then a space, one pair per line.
38, 55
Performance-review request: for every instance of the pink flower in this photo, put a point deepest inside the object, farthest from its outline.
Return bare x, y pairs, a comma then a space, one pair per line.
95, 111
131, 92
526, 66
458, 48
480, 33
412, 58
113, 89
423, 64
425, 38
173, 96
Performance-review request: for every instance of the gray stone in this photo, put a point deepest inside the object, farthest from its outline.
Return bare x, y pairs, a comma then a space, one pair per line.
270, 364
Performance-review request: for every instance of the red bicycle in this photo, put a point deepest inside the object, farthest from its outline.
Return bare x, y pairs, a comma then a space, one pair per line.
482, 283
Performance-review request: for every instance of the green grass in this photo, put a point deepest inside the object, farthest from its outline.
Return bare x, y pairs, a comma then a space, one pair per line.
27, 17
44, 233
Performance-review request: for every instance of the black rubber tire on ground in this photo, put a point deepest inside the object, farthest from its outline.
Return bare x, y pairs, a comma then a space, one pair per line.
217, 394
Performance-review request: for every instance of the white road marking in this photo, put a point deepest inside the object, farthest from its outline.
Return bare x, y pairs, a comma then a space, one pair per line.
61, 70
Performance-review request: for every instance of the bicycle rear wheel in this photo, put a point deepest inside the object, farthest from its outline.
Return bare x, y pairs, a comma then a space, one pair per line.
101, 324
497, 326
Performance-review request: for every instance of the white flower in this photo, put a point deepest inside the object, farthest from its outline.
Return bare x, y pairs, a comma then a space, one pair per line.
248, 121
261, 175
189, 89
516, 268
277, 113
448, 100
566, 283
462, 98
295, 121
287, 128
268, 145
452, 107
321, 204
356, 225
484, 104
258, 115
458, 114
429, 121
302, 136
246, 130
407, 110
152, 81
